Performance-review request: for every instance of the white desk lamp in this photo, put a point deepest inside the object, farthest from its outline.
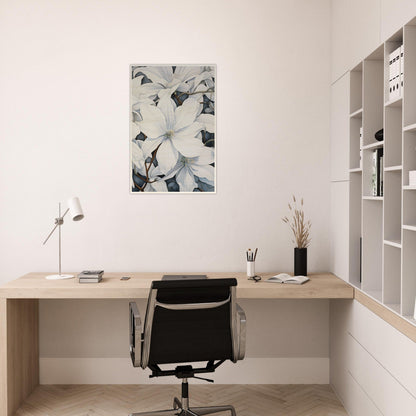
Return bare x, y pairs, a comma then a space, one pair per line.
75, 210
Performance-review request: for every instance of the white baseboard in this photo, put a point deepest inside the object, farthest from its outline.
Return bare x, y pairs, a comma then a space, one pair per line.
249, 371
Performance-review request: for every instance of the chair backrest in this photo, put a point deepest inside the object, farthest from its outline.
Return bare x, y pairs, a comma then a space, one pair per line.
190, 321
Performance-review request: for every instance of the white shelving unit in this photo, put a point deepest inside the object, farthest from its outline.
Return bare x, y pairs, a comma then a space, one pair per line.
382, 232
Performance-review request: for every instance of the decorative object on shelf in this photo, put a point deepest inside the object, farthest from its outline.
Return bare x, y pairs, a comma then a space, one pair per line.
301, 233
172, 128
75, 210
379, 135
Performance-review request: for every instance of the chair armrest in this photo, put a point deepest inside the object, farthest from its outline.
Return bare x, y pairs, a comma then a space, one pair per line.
135, 329
241, 332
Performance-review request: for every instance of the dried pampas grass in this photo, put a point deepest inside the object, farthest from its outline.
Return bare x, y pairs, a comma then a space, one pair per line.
300, 228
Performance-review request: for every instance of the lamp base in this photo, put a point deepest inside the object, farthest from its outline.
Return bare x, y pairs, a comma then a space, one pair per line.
59, 276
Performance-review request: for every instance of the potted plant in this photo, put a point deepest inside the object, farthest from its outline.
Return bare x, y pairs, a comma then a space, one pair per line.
301, 235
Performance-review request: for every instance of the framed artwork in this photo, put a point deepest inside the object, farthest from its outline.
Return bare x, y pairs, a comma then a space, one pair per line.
172, 128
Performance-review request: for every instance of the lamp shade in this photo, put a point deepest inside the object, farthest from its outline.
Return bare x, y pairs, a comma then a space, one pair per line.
75, 209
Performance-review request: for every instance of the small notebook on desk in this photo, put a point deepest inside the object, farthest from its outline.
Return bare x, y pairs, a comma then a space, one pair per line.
287, 278
184, 276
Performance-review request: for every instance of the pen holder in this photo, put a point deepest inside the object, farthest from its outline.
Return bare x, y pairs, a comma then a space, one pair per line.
251, 269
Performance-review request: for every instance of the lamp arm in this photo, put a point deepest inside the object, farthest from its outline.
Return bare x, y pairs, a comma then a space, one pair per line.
58, 221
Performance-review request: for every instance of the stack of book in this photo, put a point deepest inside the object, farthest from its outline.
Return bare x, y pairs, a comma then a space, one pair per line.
377, 170
90, 276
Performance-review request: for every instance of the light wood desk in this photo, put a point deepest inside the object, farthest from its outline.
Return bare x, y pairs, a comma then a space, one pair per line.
19, 315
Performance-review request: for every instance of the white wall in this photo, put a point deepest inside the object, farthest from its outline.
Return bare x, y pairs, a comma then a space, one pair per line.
64, 131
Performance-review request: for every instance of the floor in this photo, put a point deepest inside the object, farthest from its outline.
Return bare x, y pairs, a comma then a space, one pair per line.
120, 400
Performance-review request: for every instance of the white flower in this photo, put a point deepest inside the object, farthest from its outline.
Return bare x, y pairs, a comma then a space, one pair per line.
203, 84
142, 93
155, 183
137, 156
207, 121
172, 130
164, 81
188, 167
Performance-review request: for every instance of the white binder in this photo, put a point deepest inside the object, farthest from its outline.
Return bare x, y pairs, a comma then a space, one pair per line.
401, 70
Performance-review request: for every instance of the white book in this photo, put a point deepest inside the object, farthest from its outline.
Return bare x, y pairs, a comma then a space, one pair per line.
90, 280
374, 173
287, 278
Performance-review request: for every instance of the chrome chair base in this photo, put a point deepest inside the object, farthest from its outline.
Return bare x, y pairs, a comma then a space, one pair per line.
180, 410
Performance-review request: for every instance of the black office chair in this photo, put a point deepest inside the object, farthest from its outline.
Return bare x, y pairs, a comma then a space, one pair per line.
188, 321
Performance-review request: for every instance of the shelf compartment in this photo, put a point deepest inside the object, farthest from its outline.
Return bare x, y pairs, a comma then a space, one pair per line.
409, 272
409, 42
392, 275
356, 89
368, 177
373, 99
355, 229
392, 206
372, 247
393, 168
393, 136
409, 208
409, 154
355, 125
393, 243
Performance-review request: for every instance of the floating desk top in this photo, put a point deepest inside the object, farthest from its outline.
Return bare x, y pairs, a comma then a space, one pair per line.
35, 286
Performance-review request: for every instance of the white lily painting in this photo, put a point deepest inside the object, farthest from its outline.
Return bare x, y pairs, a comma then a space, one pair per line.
172, 128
